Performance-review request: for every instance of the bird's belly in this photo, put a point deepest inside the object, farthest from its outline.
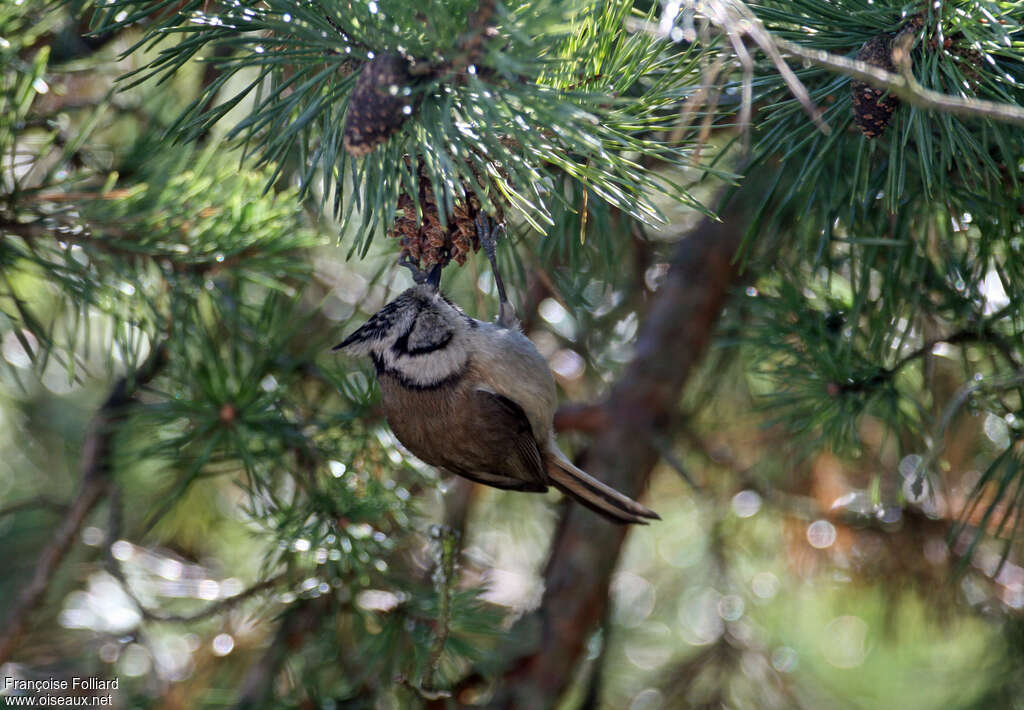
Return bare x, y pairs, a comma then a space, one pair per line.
421, 419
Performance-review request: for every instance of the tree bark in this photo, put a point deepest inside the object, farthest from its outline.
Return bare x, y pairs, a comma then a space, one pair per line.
641, 407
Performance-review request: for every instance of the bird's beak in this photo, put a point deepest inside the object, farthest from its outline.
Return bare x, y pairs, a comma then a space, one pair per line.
361, 336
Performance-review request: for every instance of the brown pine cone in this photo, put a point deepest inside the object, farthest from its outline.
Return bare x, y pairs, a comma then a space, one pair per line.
378, 105
429, 242
872, 109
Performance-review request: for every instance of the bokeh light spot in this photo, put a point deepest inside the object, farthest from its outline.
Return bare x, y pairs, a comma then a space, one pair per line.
634, 598
648, 699
845, 642
765, 585
821, 534
730, 607
784, 659
223, 644
122, 550
746, 503
135, 661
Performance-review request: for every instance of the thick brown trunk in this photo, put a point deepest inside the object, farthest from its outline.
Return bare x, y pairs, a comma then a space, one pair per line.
640, 409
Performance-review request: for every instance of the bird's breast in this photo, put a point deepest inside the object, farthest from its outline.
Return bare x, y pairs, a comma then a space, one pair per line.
424, 420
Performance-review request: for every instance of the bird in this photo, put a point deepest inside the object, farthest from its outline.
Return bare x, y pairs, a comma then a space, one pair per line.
475, 398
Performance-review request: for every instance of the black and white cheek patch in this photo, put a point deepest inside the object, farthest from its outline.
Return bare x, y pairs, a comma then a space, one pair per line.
429, 333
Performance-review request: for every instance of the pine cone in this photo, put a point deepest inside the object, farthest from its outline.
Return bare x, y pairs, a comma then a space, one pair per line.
378, 105
430, 242
872, 110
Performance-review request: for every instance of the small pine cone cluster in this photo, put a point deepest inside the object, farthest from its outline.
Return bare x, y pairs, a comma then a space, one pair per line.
872, 109
378, 105
430, 242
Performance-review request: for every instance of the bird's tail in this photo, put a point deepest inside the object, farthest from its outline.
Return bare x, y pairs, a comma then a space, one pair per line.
597, 496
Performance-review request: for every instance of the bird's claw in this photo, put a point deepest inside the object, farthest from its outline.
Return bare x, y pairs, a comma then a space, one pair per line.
486, 231
418, 274
421, 276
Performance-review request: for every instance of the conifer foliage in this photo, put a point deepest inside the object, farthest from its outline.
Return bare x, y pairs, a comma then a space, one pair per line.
197, 497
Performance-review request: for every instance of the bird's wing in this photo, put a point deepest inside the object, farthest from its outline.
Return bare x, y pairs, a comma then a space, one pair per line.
502, 426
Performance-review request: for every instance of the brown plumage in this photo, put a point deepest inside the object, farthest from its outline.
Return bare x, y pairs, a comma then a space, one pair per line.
476, 399
499, 425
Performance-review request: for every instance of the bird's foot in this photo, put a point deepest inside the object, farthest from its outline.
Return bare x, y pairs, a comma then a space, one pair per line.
421, 276
487, 231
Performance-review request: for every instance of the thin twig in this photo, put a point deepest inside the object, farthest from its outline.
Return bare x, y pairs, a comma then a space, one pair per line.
954, 406
736, 19
961, 336
299, 620
906, 88
664, 447
709, 81
445, 581
90, 492
791, 504
746, 105
214, 608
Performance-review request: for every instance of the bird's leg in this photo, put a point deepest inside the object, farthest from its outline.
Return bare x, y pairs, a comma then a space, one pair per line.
418, 274
486, 231
422, 276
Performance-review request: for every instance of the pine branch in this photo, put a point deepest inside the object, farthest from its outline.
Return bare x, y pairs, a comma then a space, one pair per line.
445, 582
124, 244
641, 406
737, 20
489, 107
93, 488
903, 85
986, 335
928, 157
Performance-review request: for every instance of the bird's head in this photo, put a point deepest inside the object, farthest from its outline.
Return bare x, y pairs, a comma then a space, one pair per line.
419, 337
